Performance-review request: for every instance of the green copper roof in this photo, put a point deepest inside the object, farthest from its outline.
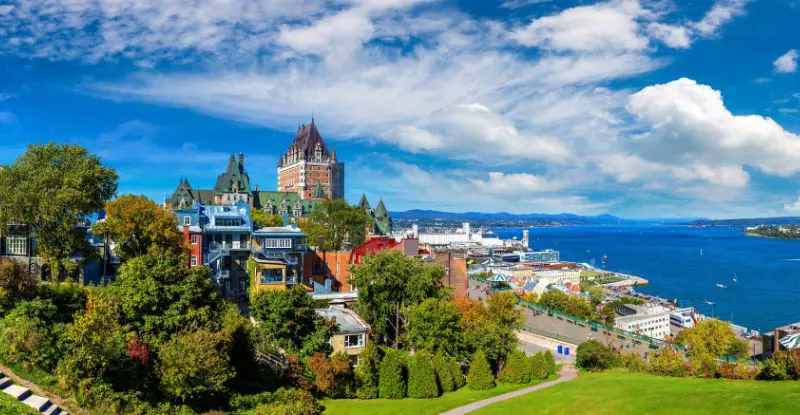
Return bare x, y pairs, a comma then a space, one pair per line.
319, 193
234, 176
262, 200
364, 203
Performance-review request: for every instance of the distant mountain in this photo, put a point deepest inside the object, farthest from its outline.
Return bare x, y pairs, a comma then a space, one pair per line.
786, 220
429, 215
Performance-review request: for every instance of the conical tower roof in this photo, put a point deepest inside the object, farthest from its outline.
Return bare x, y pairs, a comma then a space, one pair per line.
364, 203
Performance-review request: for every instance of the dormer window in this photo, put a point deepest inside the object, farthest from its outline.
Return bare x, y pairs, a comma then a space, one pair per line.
187, 220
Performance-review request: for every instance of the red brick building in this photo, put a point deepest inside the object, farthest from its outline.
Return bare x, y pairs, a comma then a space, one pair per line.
309, 169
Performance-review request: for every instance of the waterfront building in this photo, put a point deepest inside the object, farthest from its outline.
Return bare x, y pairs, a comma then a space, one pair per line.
278, 254
683, 317
352, 332
647, 319
562, 276
548, 255
380, 219
309, 169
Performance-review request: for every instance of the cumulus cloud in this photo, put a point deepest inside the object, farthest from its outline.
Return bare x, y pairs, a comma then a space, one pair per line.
787, 63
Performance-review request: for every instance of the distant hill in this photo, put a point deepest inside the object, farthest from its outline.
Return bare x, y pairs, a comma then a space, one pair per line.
428, 215
787, 220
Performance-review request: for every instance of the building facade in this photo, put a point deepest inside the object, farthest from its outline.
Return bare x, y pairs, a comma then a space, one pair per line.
278, 256
309, 169
647, 319
352, 332
548, 255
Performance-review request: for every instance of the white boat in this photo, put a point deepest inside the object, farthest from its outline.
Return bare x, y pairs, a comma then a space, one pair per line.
722, 286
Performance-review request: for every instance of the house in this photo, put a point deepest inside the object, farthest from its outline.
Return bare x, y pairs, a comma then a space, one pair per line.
227, 231
352, 332
278, 257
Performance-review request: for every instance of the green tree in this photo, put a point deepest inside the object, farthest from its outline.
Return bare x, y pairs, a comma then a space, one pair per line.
517, 368
30, 335
435, 325
707, 341
159, 296
392, 380
422, 377
137, 225
263, 219
288, 320
595, 356
338, 223
480, 372
367, 372
491, 327
389, 284
668, 362
550, 362
16, 284
554, 299
195, 366
596, 294
458, 374
538, 366
50, 189
444, 374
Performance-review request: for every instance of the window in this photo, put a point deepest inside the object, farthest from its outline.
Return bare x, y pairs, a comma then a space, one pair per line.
285, 243
16, 245
354, 340
187, 220
194, 261
270, 276
227, 222
194, 239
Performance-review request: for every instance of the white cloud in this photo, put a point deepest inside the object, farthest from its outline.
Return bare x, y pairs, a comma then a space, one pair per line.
678, 37
516, 4
600, 27
787, 63
793, 207
720, 13
689, 125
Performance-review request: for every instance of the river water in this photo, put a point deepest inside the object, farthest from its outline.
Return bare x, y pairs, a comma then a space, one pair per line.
686, 263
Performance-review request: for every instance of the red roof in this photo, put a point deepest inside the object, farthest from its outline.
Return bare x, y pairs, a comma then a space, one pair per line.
371, 247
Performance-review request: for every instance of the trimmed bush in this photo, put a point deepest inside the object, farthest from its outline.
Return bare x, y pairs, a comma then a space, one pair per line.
392, 380
550, 362
422, 377
538, 366
517, 368
668, 362
367, 373
458, 374
593, 355
480, 373
443, 374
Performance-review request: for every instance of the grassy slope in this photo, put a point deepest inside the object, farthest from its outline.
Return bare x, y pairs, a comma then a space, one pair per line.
9, 405
620, 393
411, 406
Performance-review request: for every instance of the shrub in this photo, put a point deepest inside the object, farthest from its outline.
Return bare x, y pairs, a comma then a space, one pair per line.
332, 376
392, 380
550, 362
593, 355
736, 371
290, 402
458, 374
517, 368
422, 377
28, 335
443, 374
367, 372
194, 366
668, 362
480, 373
775, 368
634, 362
538, 366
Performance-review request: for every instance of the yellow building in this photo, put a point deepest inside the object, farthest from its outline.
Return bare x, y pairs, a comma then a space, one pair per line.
352, 332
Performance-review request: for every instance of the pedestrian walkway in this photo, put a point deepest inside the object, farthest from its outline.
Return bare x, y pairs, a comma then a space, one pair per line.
21, 393
566, 374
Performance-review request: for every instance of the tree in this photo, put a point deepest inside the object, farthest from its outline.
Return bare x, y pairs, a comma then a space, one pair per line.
707, 341
480, 372
538, 366
444, 374
29, 335
337, 222
596, 294
367, 372
138, 226
194, 366
392, 381
550, 362
332, 376
458, 373
263, 219
595, 356
288, 320
51, 189
389, 284
422, 377
491, 327
16, 284
159, 296
435, 325
554, 299
517, 368
668, 362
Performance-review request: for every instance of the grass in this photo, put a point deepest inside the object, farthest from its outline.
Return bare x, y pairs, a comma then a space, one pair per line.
619, 393
34, 375
9, 405
411, 406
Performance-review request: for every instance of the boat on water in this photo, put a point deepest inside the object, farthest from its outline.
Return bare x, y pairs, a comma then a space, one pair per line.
722, 286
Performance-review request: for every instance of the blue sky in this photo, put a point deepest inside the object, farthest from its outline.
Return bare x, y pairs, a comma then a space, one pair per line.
638, 108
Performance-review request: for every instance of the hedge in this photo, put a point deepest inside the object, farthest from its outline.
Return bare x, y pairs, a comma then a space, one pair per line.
443, 374
422, 377
517, 368
392, 380
480, 373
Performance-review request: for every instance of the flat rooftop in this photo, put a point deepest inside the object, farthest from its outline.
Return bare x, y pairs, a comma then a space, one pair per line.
347, 320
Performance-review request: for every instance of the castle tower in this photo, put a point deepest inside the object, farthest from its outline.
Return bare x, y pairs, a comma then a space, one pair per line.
309, 169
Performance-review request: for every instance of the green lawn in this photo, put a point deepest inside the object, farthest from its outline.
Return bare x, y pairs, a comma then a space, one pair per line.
619, 393
9, 405
411, 406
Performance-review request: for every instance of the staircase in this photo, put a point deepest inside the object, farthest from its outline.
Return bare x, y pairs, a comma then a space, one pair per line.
38, 403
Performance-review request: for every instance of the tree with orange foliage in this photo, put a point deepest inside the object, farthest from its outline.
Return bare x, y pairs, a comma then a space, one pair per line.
332, 376
138, 226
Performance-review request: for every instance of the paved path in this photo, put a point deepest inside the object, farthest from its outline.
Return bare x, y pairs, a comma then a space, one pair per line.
567, 373
532, 343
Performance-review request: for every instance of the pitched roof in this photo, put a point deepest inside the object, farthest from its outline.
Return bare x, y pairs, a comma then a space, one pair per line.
262, 198
363, 203
307, 138
234, 174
